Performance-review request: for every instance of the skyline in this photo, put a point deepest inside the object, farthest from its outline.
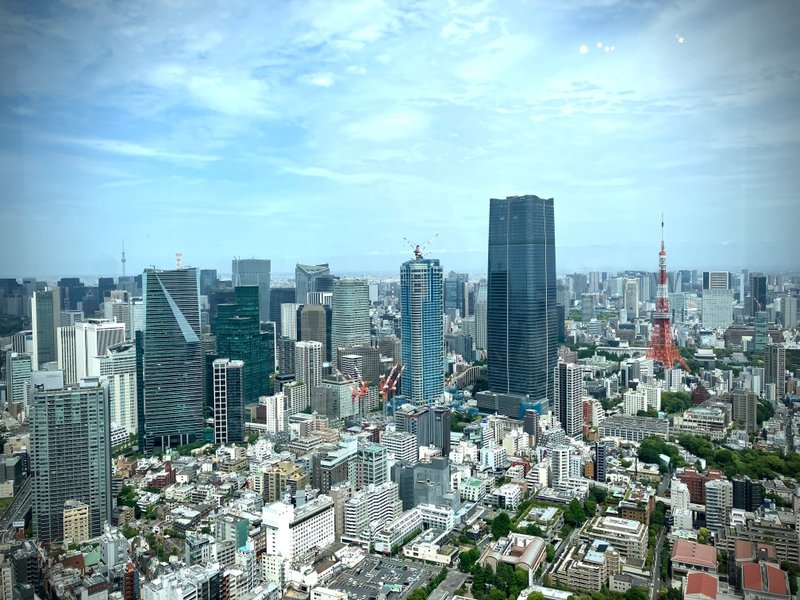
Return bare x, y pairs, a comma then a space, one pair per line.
307, 134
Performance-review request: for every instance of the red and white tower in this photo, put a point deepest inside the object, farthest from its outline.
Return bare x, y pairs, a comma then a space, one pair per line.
662, 346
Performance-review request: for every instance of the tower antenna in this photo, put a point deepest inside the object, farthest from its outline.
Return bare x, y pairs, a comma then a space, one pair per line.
124, 260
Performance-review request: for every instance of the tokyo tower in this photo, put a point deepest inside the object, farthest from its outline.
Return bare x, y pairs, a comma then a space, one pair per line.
662, 346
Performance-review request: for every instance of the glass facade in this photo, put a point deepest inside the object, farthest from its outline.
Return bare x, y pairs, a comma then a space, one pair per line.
239, 337
521, 321
46, 319
305, 278
173, 359
70, 457
254, 271
350, 308
422, 307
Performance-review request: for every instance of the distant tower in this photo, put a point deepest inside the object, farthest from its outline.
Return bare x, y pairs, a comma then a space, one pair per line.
123, 258
662, 346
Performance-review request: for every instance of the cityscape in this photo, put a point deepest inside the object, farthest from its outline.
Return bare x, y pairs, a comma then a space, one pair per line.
399, 300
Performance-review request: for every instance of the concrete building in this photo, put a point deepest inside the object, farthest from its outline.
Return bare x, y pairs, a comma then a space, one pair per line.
402, 444
297, 533
93, 337
719, 501
745, 409
350, 319
308, 367
76, 521
634, 429
628, 537
45, 321
18, 377
118, 367
587, 567
67, 353
775, 368
569, 390
228, 378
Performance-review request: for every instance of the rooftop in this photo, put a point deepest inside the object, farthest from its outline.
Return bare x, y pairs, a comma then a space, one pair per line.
693, 553
702, 583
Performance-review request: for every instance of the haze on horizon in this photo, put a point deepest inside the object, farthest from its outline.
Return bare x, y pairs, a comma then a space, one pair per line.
327, 132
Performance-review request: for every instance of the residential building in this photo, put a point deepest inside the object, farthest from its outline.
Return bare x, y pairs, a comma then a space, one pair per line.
173, 362
633, 429
228, 401
521, 298
296, 532
775, 369
308, 367
197, 582
719, 501
421, 306
745, 409
696, 482
76, 521
600, 461
118, 367
628, 537
373, 506
70, 455
747, 494
587, 567
569, 390
679, 510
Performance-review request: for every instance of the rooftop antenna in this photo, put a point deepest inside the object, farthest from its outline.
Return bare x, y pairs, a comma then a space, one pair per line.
178, 261
124, 260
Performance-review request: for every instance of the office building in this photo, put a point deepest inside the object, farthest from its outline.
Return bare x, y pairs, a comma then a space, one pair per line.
568, 397
760, 331
775, 369
70, 455
305, 280
350, 308
371, 465
228, 401
789, 312
421, 306
196, 582
370, 508
747, 494
587, 307
240, 336
631, 298
18, 377
254, 272
308, 367
680, 512
758, 293
402, 445
717, 300
745, 409
173, 362
314, 324
118, 367
634, 429
45, 320
275, 410
93, 337
431, 425
277, 297
289, 321
587, 567
67, 353
559, 465
456, 293
719, 501
521, 301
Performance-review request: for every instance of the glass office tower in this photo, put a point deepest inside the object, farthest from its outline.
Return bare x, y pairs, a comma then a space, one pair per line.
522, 344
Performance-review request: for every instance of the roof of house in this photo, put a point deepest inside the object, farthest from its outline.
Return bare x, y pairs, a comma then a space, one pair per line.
693, 553
763, 577
702, 583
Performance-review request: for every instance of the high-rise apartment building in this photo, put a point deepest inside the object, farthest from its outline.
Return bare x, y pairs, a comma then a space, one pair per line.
775, 368
719, 501
745, 409
45, 320
70, 456
350, 308
118, 367
559, 465
18, 377
254, 271
521, 303
717, 301
229, 383
240, 337
308, 367
67, 353
568, 397
173, 362
422, 306
305, 280
600, 461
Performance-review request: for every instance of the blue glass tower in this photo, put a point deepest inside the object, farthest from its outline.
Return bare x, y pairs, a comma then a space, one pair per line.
422, 308
521, 320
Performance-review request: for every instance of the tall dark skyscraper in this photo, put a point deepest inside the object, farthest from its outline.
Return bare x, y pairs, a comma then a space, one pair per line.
239, 337
278, 296
173, 362
46, 319
254, 271
522, 332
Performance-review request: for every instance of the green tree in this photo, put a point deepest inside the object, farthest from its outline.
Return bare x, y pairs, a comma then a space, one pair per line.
636, 593
551, 552
574, 514
468, 559
501, 526
703, 536
599, 494
589, 507
536, 596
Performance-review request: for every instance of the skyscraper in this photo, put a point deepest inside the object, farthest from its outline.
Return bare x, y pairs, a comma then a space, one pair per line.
521, 304
67, 353
568, 397
758, 293
173, 362
228, 400
422, 307
70, 456
254, 271
93, 337
18, 376
455, 292
775, 368
631, 299
118, 366
278, 296
45, 320
350, 308
480, 316
600, 461
239, 337
308, 367
314, 325
717, 300
305, 277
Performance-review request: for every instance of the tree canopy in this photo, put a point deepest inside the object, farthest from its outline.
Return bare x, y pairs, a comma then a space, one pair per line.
756, 464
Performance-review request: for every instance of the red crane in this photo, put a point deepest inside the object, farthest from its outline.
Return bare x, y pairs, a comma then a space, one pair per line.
662, 346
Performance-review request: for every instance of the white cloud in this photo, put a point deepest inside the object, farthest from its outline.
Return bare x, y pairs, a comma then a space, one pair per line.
134, 150
318, 79
388, 127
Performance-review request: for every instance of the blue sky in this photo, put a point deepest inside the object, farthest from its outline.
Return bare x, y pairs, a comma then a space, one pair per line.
328, 131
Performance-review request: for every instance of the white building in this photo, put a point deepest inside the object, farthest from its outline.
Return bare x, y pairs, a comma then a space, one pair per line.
719, 502
370, 508
295, 532
569, 390
308, 367
289, 320
118, 367
402, 444
92, 340
189, 583
717, 308
276, 412
67, 354
680, 511
559, 465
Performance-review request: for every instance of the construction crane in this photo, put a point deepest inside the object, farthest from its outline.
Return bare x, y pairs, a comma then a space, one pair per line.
419, 249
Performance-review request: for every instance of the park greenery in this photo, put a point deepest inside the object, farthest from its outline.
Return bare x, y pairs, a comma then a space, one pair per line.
756, 464
675, 402
423, 592
651, 449
505, 583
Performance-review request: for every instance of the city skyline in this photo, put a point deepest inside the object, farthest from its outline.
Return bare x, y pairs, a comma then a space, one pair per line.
270, 131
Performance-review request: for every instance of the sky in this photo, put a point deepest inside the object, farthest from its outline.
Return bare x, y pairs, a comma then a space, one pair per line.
328, 131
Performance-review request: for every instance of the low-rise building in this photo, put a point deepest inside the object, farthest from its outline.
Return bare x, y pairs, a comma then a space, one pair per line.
690, 556
711, 421
764, 581
517, 550
634, 429
588, 567
700, 586
628, 537
431, 545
